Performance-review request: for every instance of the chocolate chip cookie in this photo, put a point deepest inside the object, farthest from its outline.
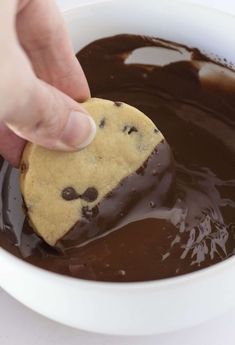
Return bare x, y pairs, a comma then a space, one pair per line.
57, 186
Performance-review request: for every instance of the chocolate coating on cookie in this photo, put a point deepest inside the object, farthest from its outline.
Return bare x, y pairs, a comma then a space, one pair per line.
141, 190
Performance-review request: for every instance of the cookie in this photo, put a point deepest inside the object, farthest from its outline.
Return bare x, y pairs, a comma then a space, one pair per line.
58, 186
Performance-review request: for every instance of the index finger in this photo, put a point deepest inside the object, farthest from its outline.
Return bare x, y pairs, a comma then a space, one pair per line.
43, 35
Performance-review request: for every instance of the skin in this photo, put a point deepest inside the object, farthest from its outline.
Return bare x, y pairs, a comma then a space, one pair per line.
40, 81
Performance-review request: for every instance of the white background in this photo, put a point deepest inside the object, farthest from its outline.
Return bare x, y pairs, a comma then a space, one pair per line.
21, 326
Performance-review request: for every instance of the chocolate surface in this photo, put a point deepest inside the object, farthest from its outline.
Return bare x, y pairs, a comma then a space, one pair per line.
194, 107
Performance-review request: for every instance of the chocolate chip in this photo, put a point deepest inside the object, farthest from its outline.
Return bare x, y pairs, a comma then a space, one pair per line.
109, 195
118, 104
25, 208
129, 129
90, 213
87, 212
23, 167
156, 130
102, 123
69, 193
90, 194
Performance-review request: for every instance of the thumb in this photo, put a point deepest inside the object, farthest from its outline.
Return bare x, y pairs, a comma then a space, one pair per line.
47, 117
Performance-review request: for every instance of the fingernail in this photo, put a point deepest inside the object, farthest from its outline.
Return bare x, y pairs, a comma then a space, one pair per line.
79, 131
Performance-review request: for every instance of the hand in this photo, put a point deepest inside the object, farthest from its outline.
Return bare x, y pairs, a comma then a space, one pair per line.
40, 78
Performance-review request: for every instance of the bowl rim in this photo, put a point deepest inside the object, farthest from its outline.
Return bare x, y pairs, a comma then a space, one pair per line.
136, 285
188, 3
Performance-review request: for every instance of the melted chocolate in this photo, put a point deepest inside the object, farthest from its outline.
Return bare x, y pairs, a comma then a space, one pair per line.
196, 113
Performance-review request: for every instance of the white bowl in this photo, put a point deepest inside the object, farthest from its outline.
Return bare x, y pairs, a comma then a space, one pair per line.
146, 307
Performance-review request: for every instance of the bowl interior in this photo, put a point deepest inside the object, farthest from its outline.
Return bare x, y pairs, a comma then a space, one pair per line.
195, 26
